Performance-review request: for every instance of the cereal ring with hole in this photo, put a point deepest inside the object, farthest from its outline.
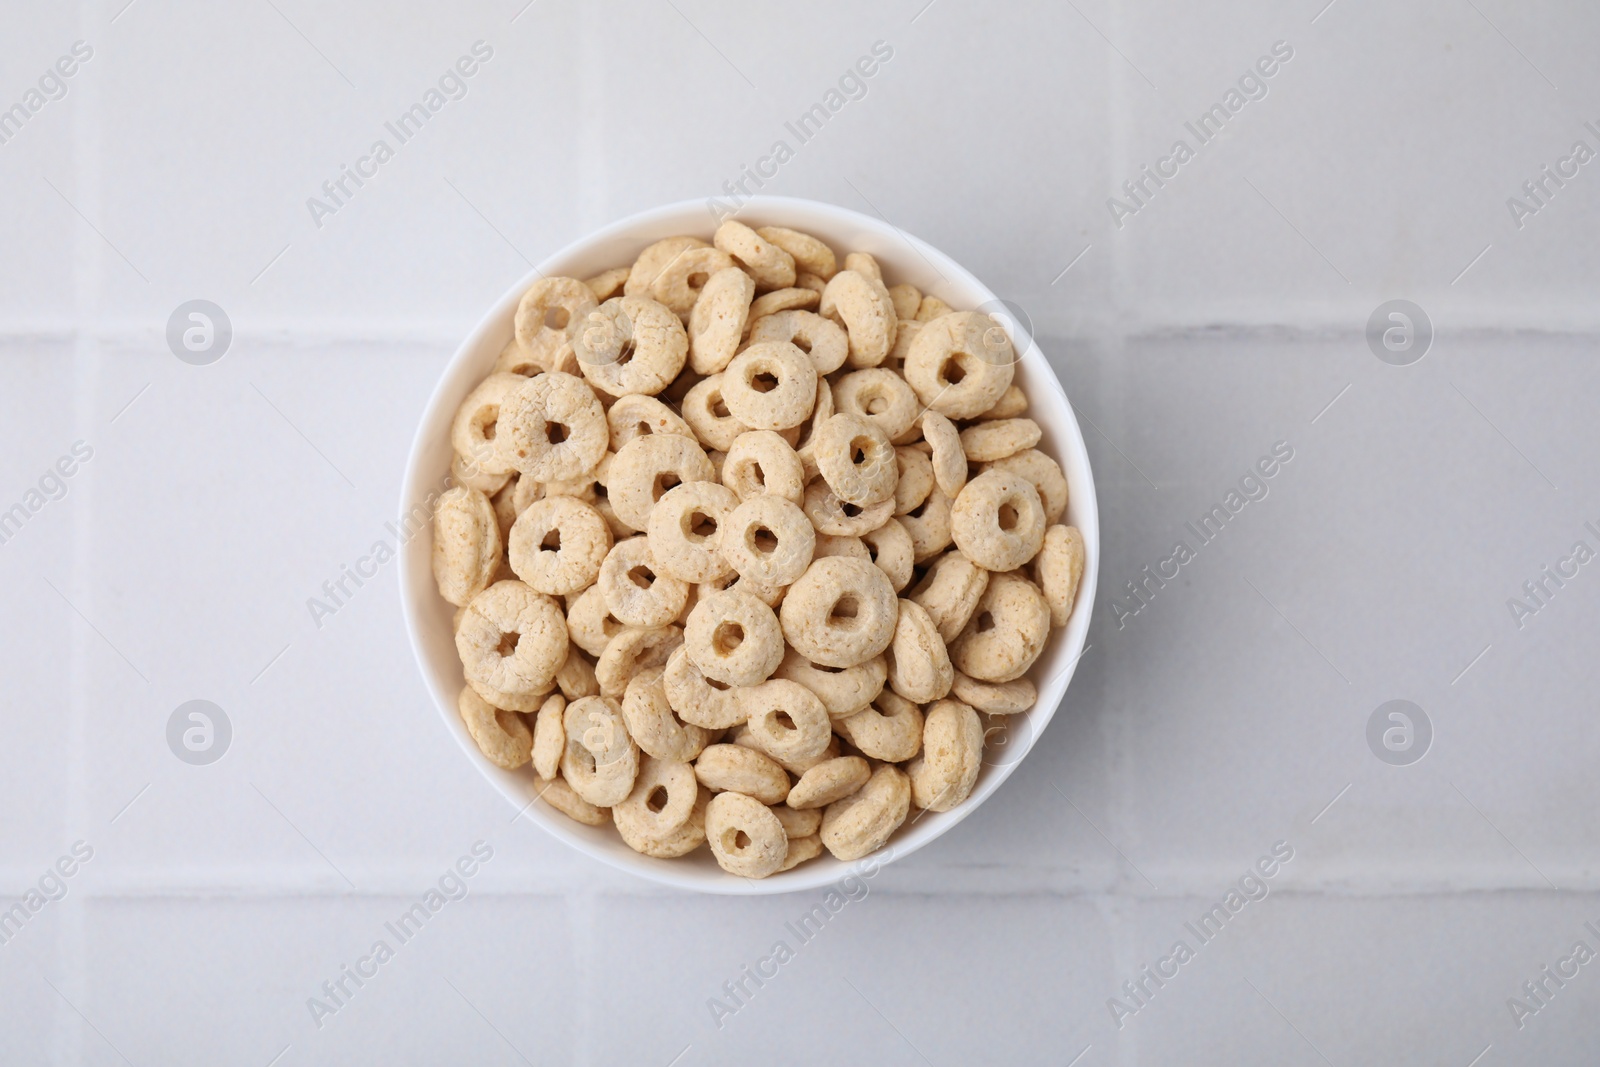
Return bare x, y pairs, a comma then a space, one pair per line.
696, 699
466, 544
607, 284
509, 700
961, 364
890, 728
843, 692
907, 299
949, 457
998, 521
745, 837
823, 340
929, 526
800, 850
810, 255
995, 698
553, 427
664, 815
760, 463
866, 264
797, 823
686, 530
1045, 474
915, 481
742, 735
995, 439
856, 460
548, 317
1058, 569
952, 755
558, 544
590, 624
829, 545
950, 592
786, 720
635, 415
770, 595
890, 547
880, 396
635, 588
514, 359
736, 769
652, 724
840, 612
600, 761
1007, 632
634, 649
501, 736
576, 676
561, 796
646, 468
733, 638
779, 301
931, 308
919, 662
631, 345
674, 276
862, 306
830, 515
706, 412
770, 386
769, 540
718, 319
650, 263
512, 639
828, 781
861, 823
1012, 404
766, 262
549, 736
475, 430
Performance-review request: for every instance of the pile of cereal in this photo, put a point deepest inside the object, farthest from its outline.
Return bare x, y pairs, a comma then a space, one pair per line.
752, 541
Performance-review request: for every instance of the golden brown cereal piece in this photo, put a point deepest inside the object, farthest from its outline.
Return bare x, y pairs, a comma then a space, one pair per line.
552, 427
829, 545
810, 255
856, 459
646, 468
961, 364
672, 273
641, 827
475, 430
652, 724
1012, 404
929, 526
518, 700
736, 769
907, 299
843, 692
745, 837
880, 396
827, 782
866, 264
742, 735
890, 547
502, 736
635, 415
890, 728
733, 638
949, 455
771, 385
998, 521
862, 306
840, 612
823, 340
862, 822
779, 301
466, 544
952, 754
696, 699
514, 359
558, 544
797, 823
1045, 474
590, 624
686, 530
561, 796
950, 592
634, 649
607, 284
766, 262
830, 515
636, 590
1007, 632
770, 595
932, 308
512, 639
786, 720
549, 315
769, 541
807, 280
919, 663
800, 850
759, 463
631, 344
916, 479
549, 736
995, 698
995, 439
600, 761
654, 259
718, 319
576, 676
707, 414
1058, 569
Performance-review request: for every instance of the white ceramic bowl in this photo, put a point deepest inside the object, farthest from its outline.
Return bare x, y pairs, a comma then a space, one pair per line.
904, 259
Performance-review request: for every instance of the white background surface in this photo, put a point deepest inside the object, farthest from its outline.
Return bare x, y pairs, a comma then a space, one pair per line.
1225, 316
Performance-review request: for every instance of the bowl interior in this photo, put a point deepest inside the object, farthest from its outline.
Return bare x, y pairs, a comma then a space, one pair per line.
904, 259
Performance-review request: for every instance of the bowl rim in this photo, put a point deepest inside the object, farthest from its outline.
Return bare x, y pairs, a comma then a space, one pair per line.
419, 598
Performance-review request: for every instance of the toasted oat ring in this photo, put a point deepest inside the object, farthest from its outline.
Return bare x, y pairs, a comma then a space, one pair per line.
608, 283
998, 520
718, 319
514, 359
654, 259
501, 736
686, 530
862, 306
810, 255
771, 385
558, 544
822, 340
696, 699
830, 515
949, 457
512, 639
631, 345
907, 299
1045, 474
760, 462
862, 822
840, 612
733, 638
600, 761
952, 754
518, 700
652, 724
636, 590
808, 433
961, 364
474, 431
800, 850
797, 823
549, 735
766, 262
590, 624
632, 650
995, 698
880, 396
995, 439
769, 540
706, 411
737, 769
807, 280
890, 728
467, 472
557, 793
915, 481
743, 735
646, 468
553, 427
664, 815
829, 781
1058, 569
466, 544
890, 547
1012, 403
932, 308
1007, 632
929, 526
919, 663
829, 545
779, 301
745, 837
576, 676
842, 692
786, 720
950, 592
548, 317
676, 278
635, 415
856, 460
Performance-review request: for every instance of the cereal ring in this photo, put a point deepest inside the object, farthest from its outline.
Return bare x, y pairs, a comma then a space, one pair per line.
810, 255
856, 460
1045, 474
510, 700
840, 612
800, 850
590, 624
998, 521
706, 412
862, 822
466, 544
919, 663
561, 796
635, 415
696, 699
770, 595
558, 544
797, 823
576, 677
608, 284
634, 649
786, 720
770, 386
808, 433
553, 427
890, 728
501, 736
766, 262
512, 639
646, 468
807, 280
650, 263
915, 481
905, 334
907, 299
548, 317
995, 698
866, 264
506, 511
949, 455
674, 274
514, 359
829, 545
635, 590
961, 364
952, 754
1007, 632
890, 547
1058, 569
736, 769
760, 462
995, 439
664, 815
832, 780
842, 692
862, 306
475, 430
830, 515
950, 592
467, 472
929, 526
769, 540
733, 638
779, 301
686, 528
1012, 403
718, 320
600, 761
823, 340
631, 344
880, 396
549, 736
652, 724
745, 837
932, 308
